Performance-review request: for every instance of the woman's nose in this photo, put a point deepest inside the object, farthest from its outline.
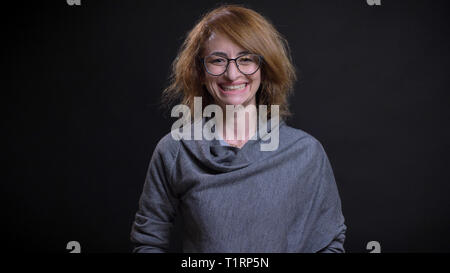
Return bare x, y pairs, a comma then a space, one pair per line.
232, 72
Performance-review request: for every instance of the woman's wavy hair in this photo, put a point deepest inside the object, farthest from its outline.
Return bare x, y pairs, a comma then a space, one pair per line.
251, 31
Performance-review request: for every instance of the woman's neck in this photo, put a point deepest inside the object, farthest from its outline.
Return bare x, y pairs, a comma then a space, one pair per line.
240, 124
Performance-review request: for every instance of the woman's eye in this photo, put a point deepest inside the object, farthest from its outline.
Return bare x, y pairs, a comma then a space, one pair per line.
217, 61
246, 60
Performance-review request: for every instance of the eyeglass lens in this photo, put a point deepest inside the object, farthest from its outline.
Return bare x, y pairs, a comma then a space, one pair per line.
217, 65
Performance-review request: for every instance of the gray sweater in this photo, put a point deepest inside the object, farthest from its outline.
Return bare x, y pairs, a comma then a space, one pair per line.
241, 200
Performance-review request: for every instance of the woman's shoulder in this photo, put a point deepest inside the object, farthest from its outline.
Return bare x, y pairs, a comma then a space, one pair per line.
296, 135
304, 143
167, 146
300, 140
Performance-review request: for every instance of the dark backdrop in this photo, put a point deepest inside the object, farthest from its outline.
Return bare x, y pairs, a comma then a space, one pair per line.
81, 117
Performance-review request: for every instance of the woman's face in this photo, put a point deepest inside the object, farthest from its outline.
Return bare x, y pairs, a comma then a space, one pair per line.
232, 87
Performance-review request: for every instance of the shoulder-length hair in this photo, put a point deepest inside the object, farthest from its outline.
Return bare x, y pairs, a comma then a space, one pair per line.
251, 31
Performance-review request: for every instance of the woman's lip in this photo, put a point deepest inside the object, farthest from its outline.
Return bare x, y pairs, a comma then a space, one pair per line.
238, 91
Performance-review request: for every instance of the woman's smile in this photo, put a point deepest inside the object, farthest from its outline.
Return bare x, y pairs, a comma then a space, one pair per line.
232, 89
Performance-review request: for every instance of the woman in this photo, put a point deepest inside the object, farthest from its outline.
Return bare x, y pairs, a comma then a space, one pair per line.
234, 196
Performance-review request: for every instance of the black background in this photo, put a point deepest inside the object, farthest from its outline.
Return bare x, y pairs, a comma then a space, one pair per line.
81, 115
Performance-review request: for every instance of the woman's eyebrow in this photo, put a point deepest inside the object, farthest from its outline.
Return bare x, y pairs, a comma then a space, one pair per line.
219, 53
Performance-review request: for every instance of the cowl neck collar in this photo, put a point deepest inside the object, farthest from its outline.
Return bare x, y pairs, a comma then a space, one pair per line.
219, 158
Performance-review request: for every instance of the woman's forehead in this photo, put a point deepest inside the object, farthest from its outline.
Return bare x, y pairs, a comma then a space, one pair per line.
221, 43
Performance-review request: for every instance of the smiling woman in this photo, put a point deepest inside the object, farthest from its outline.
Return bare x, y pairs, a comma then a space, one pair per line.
231, 84
233, 196
229, 30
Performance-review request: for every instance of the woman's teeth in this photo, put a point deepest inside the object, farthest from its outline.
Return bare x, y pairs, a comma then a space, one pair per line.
232, 87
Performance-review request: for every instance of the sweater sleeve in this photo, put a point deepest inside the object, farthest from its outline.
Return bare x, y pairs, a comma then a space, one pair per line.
154, 219
326, 226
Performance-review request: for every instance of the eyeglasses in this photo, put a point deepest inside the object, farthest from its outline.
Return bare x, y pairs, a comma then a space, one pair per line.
247, 64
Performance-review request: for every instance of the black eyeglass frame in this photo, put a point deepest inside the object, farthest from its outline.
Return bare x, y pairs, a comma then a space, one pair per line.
260, 59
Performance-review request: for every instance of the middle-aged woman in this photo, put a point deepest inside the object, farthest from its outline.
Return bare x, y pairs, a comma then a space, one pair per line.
234, 196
